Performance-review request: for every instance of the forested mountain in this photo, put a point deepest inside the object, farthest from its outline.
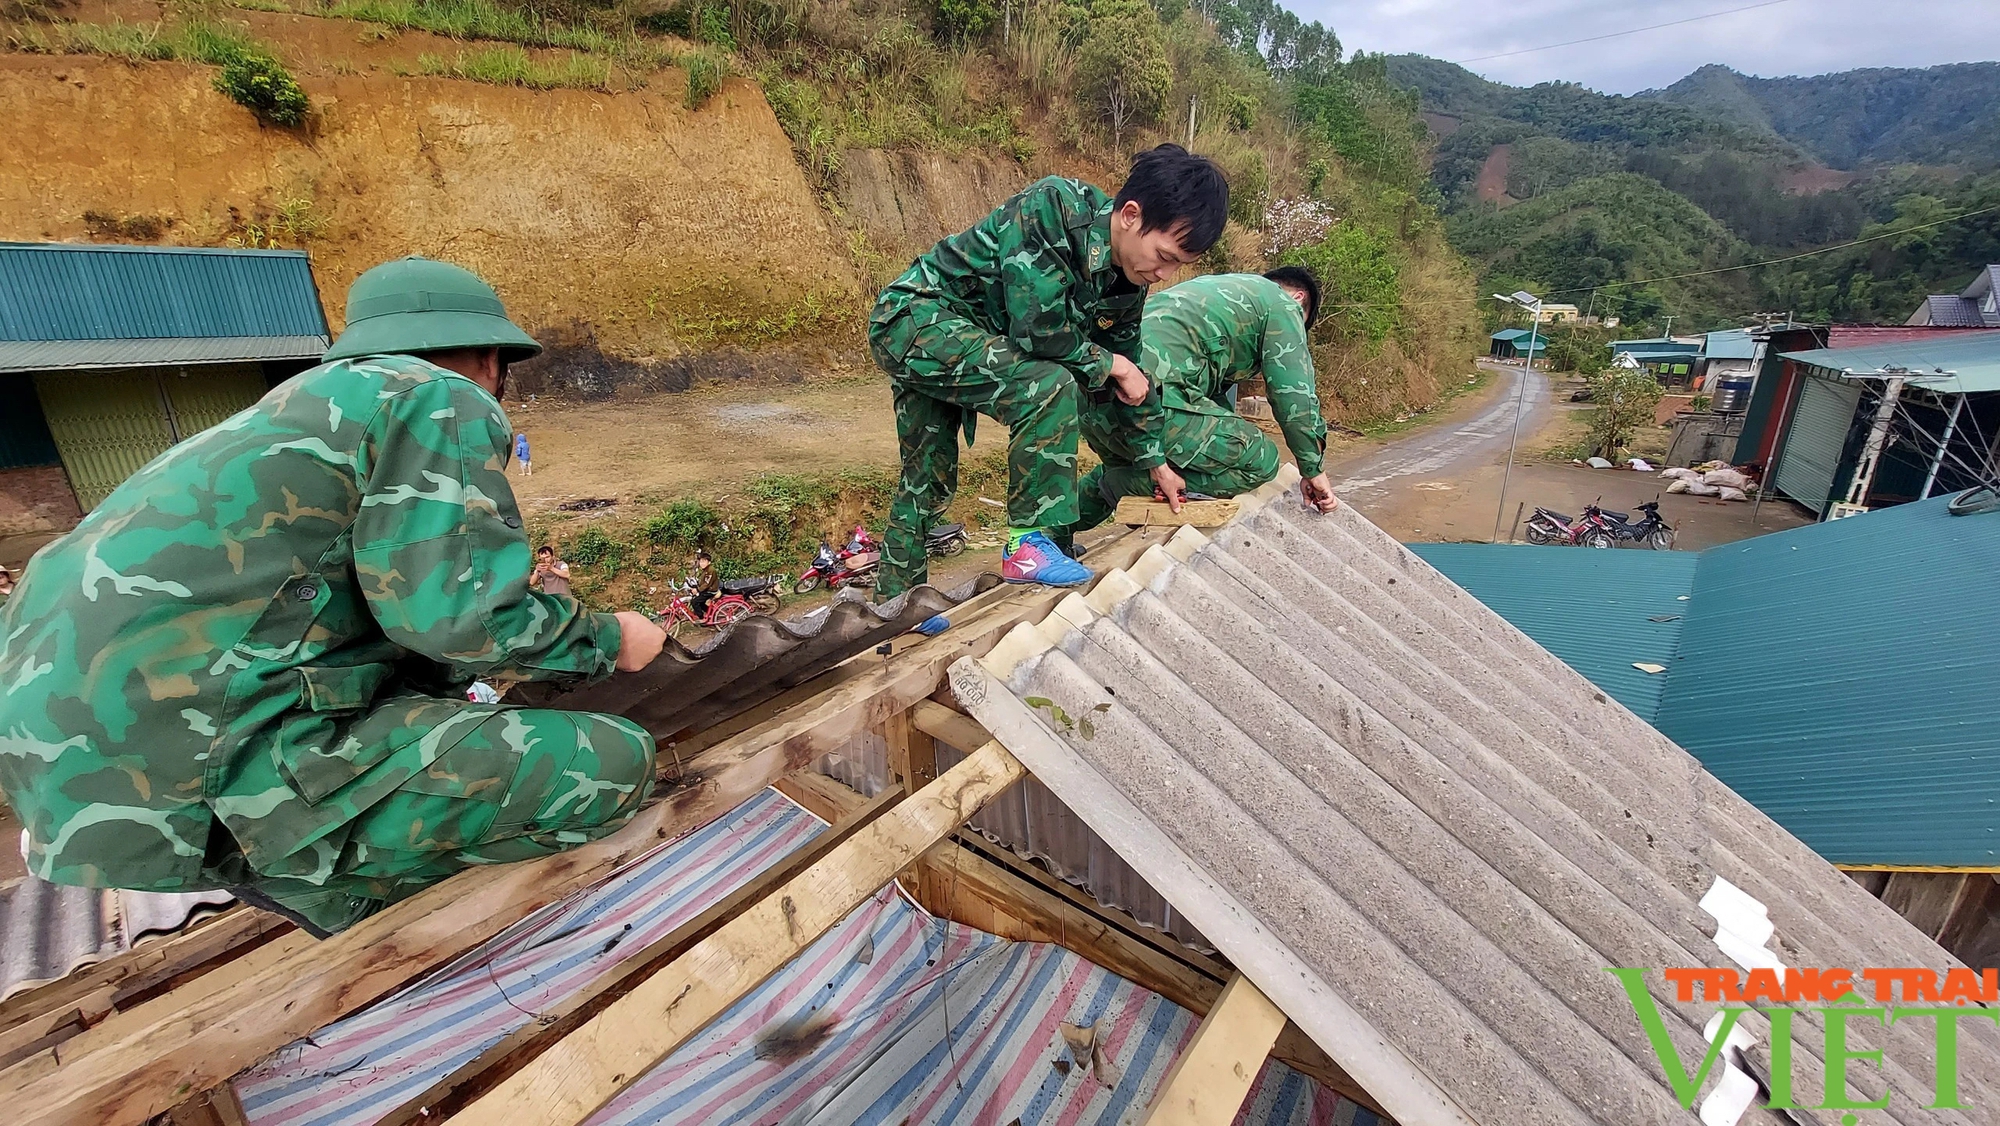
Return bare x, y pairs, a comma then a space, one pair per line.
1724, 169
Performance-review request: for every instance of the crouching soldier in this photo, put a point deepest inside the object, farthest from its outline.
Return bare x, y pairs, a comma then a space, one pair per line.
247, 668
1023, 317
1198, 341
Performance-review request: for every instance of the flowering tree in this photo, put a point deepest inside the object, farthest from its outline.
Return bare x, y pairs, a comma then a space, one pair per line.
1290, 224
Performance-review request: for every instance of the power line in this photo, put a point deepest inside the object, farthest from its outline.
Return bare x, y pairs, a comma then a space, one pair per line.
1618, 34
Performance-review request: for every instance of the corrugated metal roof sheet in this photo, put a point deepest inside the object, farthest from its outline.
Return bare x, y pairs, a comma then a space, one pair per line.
1958, 361
1654, 344
1845, 678
62, 291
1953, 311
1729, 344
62, 355
1418, 832
1594, 609
929, 1022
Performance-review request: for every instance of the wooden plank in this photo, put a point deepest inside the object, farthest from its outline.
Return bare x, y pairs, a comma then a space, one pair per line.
912, 754
1208, 1083
1147, 512
828, 799
219, 1107
955, 729
524, 1045
589, 1067
134, 974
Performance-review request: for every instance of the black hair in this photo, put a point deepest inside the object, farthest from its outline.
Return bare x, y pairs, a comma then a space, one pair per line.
545, 547
703, 554
1173, 186
1298, 277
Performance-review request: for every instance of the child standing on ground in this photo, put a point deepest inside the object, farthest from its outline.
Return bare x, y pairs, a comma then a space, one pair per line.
1020, 318
521, 455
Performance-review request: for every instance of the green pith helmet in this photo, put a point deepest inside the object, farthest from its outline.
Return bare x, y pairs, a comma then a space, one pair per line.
418, 305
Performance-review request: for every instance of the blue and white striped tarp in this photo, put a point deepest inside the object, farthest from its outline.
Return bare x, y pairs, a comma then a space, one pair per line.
892, 1017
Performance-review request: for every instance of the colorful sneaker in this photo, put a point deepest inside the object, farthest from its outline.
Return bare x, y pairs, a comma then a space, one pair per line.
1038, 560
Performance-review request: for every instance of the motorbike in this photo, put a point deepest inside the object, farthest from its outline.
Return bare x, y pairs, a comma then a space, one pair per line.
839, 569
945, 541
1649, 529
1547, 526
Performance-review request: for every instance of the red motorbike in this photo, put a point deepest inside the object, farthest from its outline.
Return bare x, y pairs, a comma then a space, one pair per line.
853, 565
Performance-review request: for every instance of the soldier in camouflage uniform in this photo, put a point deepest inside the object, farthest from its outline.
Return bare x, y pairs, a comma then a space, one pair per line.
1198, 341
1023, 317
246, 669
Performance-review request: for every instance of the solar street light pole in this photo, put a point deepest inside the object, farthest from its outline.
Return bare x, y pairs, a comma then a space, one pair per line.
1533, 305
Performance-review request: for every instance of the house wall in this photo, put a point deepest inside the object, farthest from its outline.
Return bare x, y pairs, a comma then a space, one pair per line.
36, 498
1960, 910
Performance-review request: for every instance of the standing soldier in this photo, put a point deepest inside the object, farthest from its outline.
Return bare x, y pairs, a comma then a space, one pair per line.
1199, 340
1021, 318
247, 668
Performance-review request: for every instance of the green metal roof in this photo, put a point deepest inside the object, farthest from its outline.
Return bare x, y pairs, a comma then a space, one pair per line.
1513, 335
1844, 677
65, 305
1654, 344
1594, 609
1949, 362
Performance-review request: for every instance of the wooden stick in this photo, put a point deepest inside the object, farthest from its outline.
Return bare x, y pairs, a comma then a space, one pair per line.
1147, 512
524, 1045
593, 1064
1209, 1081
954, 728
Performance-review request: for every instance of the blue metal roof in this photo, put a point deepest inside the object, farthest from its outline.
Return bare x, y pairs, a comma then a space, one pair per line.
1948, 362
1844, 677
72, 292
1653, 344
1513, 335
1594, 609
1730, 344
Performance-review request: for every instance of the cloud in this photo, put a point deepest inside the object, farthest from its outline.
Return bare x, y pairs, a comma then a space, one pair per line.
1798, 37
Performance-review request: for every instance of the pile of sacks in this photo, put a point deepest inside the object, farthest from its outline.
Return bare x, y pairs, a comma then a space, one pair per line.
1713, 479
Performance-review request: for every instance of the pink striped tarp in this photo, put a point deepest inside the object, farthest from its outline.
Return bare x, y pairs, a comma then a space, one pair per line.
893, 1017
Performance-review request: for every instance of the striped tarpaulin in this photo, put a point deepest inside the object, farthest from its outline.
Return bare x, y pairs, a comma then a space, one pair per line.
893, 1017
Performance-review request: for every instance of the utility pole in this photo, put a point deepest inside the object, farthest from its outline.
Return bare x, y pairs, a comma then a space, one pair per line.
1190, 141
1670, 328
1533, 305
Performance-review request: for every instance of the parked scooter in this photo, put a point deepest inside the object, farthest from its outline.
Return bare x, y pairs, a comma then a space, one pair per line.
1649, 529
1547, 526
945, 541
839, 569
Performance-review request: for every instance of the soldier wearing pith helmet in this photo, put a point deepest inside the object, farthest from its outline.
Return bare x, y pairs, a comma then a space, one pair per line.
246, 669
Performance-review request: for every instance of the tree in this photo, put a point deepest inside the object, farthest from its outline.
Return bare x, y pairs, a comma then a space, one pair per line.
1625, 399
1123, 64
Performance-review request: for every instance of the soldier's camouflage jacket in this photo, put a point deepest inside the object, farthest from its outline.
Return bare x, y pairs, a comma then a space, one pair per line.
1036, 272
256, 628
1208, 333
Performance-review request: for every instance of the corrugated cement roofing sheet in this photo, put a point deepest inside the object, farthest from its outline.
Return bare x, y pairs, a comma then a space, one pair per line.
48, 931
1845, 678
1948, 362
65, 291
1602, 612
1423, 836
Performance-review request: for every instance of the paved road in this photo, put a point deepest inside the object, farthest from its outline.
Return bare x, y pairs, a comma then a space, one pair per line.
1447, 450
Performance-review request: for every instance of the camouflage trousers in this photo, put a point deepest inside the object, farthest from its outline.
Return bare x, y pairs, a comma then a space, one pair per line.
1221, 455
942, 374
524, 783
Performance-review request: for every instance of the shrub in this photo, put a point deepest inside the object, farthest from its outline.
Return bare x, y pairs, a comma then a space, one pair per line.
263, 85
959, 20
683, 525
594, 548
1625, 399
705, 72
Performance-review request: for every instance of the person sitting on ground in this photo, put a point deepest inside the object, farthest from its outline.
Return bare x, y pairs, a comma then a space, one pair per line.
551, 574
1199, 340
247, 668
706, 584
1021, 317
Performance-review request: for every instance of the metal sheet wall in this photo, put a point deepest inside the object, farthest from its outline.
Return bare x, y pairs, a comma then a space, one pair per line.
107, 425
1811, 454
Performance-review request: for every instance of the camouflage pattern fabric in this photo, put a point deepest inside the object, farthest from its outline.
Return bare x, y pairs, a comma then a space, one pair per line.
1217, 455
1018, 318
1197, 341
246, 662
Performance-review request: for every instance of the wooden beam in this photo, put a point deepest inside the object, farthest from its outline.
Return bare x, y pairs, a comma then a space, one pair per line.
593, 1064
1208, 1083
219, 1107
912, 752
524, 1045
1147, 512
954, 728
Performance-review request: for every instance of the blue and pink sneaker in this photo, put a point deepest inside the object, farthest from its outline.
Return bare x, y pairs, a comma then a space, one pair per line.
1039, 560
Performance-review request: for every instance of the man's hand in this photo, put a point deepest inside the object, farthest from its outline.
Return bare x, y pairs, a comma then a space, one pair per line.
639, 640
1318, 493
1127, 381
1170, 485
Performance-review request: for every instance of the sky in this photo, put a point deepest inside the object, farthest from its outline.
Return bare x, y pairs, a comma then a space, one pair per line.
1793, 37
